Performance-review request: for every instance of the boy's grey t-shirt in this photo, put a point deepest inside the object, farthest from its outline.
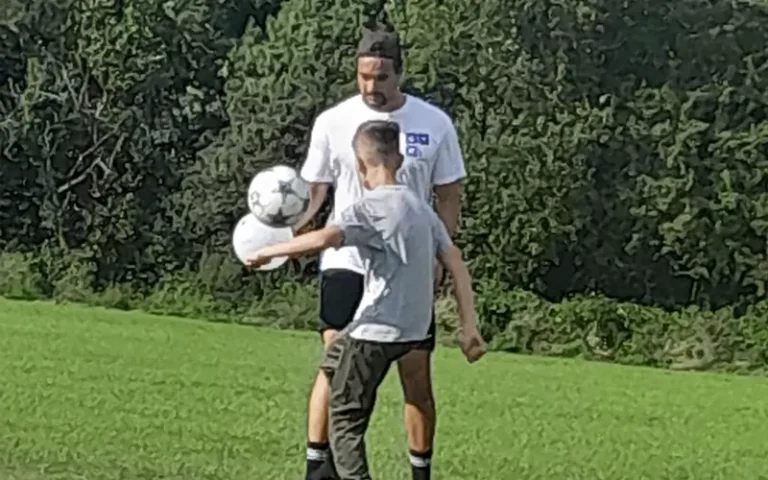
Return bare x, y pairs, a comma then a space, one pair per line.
398, 235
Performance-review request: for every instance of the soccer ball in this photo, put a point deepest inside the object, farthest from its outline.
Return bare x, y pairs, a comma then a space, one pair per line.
278, 196
250, 236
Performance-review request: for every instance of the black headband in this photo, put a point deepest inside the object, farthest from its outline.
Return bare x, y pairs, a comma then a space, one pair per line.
380, 44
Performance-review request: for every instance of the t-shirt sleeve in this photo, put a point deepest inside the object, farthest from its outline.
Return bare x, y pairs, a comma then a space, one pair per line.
440, 234
449, 165
317, 166
357, 226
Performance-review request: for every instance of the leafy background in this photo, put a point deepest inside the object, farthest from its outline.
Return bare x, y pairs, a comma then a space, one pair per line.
617, 199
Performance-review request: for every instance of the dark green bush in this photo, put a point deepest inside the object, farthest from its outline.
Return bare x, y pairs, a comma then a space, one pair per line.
20, 278
599, 328
679, 157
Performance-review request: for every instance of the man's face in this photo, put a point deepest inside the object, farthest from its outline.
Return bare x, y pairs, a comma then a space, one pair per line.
377, 81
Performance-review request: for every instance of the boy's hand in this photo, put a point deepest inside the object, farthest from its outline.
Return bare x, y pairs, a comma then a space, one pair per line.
472, 344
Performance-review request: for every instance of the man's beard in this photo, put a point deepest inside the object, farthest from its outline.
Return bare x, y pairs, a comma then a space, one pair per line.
375, 100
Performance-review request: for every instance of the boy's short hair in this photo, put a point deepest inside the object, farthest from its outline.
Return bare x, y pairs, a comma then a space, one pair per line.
383, 136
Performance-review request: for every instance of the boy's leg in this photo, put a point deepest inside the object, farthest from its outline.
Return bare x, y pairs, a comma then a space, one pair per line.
415, 369
355, 370
340, 294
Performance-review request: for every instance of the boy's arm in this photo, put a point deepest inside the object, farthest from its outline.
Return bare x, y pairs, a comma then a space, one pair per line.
452, 260
306, 244
353, 228
472, 343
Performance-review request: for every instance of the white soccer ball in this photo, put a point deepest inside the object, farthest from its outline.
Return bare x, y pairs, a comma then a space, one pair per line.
250, 236
278, 196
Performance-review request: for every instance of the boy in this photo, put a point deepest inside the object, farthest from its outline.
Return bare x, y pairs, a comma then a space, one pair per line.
398, 235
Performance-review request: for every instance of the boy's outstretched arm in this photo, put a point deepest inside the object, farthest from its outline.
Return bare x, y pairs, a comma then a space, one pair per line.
352, 228
301, 245
472, 343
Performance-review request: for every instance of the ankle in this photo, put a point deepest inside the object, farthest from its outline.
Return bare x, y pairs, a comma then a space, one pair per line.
421, 464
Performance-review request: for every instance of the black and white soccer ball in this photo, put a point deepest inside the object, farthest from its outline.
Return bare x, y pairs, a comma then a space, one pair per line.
278, 196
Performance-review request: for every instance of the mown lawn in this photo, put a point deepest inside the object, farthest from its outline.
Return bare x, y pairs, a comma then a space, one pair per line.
96, 394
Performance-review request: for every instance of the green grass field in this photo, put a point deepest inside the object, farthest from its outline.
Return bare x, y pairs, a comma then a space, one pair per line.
95, 394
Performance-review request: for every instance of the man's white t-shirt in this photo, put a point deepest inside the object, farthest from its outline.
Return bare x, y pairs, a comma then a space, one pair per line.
428, 142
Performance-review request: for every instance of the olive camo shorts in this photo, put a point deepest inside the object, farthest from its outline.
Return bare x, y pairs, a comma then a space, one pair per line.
355, 369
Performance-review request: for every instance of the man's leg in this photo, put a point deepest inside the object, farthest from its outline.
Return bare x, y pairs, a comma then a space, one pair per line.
355, 370
319, 461
415, 369
340, 294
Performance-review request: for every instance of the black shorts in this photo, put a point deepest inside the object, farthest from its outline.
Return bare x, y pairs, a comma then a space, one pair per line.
340, 294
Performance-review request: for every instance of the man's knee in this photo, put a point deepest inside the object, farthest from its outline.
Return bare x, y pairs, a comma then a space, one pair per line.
415, 370
322, 384
328, 336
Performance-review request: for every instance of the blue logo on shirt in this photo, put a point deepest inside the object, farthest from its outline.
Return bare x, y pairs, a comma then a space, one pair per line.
412, 142
413, 138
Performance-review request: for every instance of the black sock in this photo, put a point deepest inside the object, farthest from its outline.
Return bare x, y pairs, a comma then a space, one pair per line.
421, 464
317, 457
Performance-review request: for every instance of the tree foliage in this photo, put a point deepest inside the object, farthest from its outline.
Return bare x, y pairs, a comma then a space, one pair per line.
613, 148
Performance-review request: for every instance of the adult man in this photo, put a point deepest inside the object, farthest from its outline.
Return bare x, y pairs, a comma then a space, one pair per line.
433, 161
398, 236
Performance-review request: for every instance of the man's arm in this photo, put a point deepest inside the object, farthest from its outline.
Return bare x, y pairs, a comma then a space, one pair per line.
318, 192
447, 175
446, 180
316, 170
448, 205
